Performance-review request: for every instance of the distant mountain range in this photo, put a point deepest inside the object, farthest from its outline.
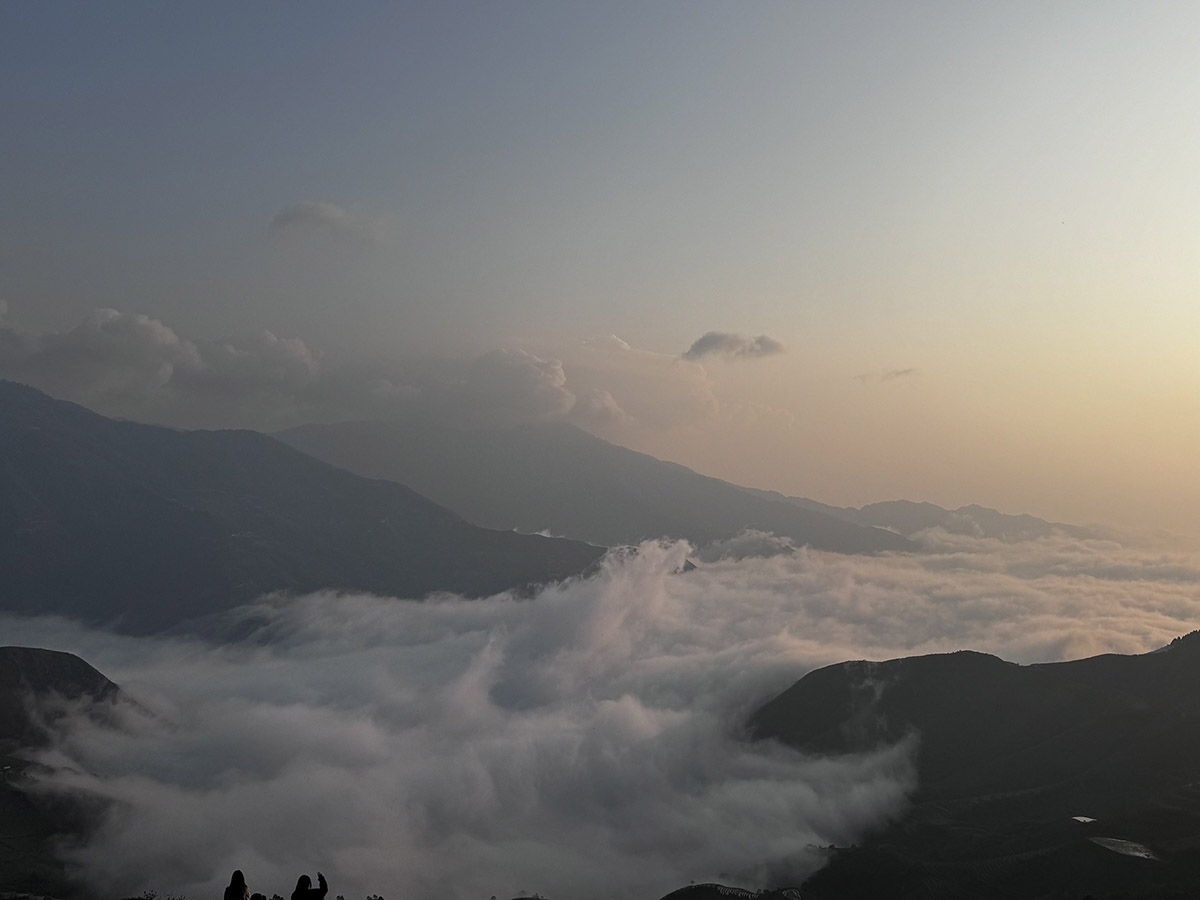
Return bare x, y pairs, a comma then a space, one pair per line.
143, 527
556, 478
1008, 757
33, 684
907, 517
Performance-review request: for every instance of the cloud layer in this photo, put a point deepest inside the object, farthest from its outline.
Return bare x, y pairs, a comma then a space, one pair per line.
583, 744
726, 345
130, 365
506, 386
133, 366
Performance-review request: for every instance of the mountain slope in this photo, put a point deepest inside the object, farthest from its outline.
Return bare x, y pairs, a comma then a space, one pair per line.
558, 478
1008, 755
29, 677
147, 526
33, 684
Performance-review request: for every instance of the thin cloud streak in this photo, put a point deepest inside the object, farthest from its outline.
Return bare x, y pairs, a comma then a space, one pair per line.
311, 215
888, 375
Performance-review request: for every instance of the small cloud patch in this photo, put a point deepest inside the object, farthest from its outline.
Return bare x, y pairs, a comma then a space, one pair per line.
887, 375
727, 345
329, 218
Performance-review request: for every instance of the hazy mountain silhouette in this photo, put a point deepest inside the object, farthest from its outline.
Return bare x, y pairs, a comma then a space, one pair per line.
33, 687
144, 526
1008, 755
29, 677
908, 517
557, 478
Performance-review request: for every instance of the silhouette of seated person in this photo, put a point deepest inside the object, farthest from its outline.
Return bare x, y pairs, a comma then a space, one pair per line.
237, 889
305, 891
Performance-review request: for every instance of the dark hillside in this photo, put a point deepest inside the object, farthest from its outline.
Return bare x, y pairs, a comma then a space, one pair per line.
146, 527
33, 683
559, 478
1008, 756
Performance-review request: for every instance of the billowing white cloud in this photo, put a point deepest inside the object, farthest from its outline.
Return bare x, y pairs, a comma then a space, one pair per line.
584, 744
329, 218
598, 409
507, 386
131, 365
260, 357
654, 391
726, 345
109, 355
259, 380
748, 544
134, 366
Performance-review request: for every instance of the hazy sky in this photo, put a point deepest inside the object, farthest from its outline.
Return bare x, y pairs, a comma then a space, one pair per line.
973, 229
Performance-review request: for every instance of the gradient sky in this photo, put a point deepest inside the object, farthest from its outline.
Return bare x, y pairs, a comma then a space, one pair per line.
975, 227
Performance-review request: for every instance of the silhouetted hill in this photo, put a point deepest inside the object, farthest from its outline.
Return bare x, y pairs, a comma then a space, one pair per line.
29, 677
557, 478
1008, 756
146, 526
33, 685
908, 517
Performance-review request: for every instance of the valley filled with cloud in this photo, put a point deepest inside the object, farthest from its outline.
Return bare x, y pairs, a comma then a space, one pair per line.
484, 442
585, 743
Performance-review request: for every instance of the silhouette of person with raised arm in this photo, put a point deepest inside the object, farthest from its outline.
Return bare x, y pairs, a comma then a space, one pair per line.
237, 889
305, 891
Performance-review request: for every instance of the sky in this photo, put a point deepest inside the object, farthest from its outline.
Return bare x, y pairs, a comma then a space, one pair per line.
852, 251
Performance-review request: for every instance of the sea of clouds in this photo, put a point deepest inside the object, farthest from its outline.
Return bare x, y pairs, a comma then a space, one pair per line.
586, 743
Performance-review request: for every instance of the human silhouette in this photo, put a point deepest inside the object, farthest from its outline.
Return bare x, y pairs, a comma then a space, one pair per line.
258, 897
305, 891
237, 889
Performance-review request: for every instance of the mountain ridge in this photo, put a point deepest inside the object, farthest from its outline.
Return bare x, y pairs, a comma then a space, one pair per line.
145, 527
558, 478
1007, 757
908, 517
34, 683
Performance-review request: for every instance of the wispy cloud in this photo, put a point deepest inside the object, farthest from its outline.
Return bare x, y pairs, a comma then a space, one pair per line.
887, 375
607, 342
727, 345
311, 215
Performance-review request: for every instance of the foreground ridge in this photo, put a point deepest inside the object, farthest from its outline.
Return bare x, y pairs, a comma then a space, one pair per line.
1059, 779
